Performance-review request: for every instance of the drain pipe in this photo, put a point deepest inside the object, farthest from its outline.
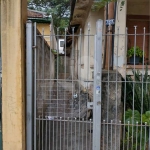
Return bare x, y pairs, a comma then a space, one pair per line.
105, 29
108, 52
72, 56
113, 31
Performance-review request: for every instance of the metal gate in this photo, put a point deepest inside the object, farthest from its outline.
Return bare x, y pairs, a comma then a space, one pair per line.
65, 84
61, 112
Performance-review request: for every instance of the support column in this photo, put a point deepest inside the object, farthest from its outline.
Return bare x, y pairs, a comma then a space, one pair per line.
13, 18
120, 44
109, 32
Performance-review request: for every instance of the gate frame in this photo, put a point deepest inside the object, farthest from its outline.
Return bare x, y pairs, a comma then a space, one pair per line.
35, 32
29, 86
97, 86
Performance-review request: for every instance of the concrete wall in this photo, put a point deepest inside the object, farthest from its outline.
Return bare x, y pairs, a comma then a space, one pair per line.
13, 19
45, 70
49, 34
53, 42
112, 109
46, 28
131, 7
84, 45
120, 41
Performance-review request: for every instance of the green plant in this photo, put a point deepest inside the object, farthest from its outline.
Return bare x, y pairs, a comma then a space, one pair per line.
137, 109
138, 91
98, 4
146, 117
136, 133
54, 51
135, 50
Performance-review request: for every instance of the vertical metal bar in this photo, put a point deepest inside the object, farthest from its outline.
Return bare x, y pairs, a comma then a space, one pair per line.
43, 81
135, 28
29, 85
39, 134
90, 134
109, 51
49, 135
57, 85
82, 133
117, 89
75, 134
1, 103
97, 87
64, 140
149, 138
46, 133
124, 109
60, 131
145, 135
111, 133
142, 83
119, 134
79, 78
86, 130
64, 146
88, 60
136, 134
53, 136
72, 75
67, 132
103, 134
128, 136
50, 82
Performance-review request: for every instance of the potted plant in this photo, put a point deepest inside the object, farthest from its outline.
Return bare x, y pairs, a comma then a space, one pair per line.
138, 55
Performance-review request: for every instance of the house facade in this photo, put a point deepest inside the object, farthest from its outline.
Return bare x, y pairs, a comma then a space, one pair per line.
43, 22
129, 20
44, 26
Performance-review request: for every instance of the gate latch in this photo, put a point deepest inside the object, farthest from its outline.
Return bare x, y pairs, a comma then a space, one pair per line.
90, 105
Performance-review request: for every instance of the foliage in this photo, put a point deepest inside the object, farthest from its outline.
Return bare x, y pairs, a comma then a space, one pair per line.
146, 117
137, 99
135, 50
54, 51
60, 10
134, 132
138, 91
101, 3
122, 4
129, 116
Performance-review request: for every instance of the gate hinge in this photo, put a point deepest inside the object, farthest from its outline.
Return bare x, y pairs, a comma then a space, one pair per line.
90, 105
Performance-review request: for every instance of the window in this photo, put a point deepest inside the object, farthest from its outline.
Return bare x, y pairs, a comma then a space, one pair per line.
61, 43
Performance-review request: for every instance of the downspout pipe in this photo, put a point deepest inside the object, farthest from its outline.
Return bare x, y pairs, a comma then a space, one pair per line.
108, 52
113, 29
106, 18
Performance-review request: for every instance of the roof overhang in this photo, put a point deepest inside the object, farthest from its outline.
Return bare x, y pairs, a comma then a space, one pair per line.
79, 13
40, 20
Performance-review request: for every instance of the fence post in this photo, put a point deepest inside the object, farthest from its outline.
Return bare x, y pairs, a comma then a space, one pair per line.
29, 86
97, 87
35, 42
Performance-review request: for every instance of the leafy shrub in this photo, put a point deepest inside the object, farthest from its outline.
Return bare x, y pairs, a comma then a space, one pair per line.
135, 131
135, 50
138, 91
137, 110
